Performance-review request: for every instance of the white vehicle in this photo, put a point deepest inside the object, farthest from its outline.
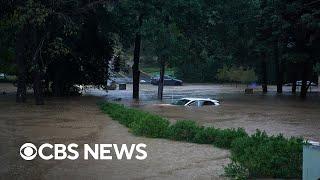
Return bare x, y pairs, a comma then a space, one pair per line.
2, 76
197, 102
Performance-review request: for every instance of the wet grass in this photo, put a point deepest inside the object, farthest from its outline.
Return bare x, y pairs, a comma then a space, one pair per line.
255, 156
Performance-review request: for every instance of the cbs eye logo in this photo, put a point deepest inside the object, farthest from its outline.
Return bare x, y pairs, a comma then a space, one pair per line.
28, 151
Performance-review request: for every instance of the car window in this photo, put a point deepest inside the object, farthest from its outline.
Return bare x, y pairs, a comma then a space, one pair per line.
181, 102
193, 103
208, 103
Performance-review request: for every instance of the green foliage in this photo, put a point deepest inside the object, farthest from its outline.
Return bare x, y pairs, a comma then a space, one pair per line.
141, 123
225, 137
154, 71
219, 137
150, 126
236, 171
234, 74
264, 156
69, 40
184, 130
206, 135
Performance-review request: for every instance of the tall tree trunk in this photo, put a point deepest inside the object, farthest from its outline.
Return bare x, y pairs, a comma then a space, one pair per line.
294, 83
36, 65
21, 95
161, 78
21, 67
278, 65
264, 74
135, 67
37, 87
304, 89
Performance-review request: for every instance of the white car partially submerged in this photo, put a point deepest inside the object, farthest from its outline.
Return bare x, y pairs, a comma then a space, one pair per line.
197, 102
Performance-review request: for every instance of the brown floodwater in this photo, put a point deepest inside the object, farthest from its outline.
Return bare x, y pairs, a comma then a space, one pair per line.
291, 118
79, 120
286, 114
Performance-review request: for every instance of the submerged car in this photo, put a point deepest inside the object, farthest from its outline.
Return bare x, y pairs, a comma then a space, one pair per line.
198, 102
168, 81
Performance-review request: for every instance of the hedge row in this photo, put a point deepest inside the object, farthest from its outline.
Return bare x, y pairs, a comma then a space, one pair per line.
258, 155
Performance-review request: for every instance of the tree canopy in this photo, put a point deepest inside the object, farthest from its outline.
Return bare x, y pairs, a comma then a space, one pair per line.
56, 44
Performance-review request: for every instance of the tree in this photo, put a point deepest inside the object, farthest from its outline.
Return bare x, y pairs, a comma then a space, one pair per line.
131, 16
163, 37
46, 37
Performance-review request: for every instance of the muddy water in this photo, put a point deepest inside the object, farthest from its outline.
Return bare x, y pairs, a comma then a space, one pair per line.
289, 117
286, 114
59, 121
79, 120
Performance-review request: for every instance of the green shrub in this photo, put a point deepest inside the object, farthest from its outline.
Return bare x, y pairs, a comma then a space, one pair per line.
141, 123
183, 130
150, 126
224, 137
236, 171
263, 156
251, 156
206, 135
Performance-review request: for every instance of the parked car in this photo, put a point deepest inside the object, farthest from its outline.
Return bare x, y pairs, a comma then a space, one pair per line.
2, 76
299, 83
168, 81
197, 102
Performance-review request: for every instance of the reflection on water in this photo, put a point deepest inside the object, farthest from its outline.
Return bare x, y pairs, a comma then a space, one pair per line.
273, 113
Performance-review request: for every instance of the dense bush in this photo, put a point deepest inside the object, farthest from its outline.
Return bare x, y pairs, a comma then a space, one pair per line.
183, 130
236, 171
264, 156
150, 126
141, 123
206, 135
252, 156
224, 137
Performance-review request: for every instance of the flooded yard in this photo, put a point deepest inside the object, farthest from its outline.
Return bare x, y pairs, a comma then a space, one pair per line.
79, 120
286, 114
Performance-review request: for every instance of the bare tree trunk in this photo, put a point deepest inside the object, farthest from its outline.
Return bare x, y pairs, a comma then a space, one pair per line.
135, 67
294, 83
278, 66
37, 87
36, 73
264, 74
21, 95
304, 89
161, 78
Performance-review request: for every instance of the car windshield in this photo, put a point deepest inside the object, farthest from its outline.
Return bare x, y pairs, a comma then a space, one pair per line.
181, 102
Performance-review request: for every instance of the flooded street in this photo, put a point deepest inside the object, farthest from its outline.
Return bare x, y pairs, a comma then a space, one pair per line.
273, 113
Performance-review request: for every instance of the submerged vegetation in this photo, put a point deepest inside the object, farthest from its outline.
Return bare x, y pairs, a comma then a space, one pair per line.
254, 156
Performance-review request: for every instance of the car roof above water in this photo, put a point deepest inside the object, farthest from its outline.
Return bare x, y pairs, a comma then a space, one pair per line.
199, 99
